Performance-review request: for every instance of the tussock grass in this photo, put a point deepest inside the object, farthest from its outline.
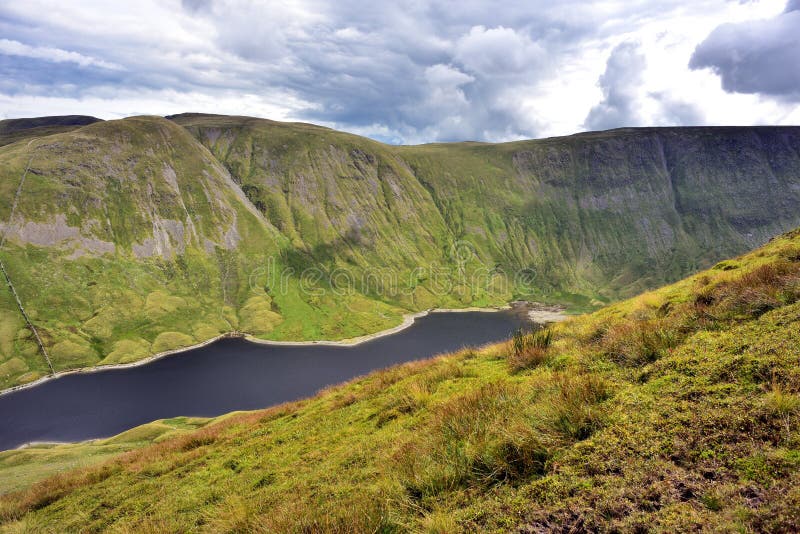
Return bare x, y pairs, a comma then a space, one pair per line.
576, 410
530, 349
782, 403
480, 438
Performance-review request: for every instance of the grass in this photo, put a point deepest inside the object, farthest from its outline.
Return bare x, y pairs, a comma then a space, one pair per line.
21, 468
674, 411
529, 349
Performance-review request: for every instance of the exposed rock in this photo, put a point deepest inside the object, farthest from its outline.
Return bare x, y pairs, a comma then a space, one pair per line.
59, 234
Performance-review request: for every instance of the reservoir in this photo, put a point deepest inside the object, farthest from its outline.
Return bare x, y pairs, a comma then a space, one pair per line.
228, 375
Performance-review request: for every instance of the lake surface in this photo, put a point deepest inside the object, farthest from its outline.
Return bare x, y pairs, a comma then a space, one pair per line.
228, 375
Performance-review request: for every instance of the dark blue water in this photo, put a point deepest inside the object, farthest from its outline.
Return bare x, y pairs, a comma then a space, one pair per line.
228, 375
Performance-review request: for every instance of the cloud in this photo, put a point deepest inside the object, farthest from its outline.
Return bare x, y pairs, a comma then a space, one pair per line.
760, 56
673, 111
620, 83
411, 71
196, 5
497, 51
15, 48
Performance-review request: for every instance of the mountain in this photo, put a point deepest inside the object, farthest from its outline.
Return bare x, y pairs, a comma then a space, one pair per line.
127, 238
13, 130
675, 411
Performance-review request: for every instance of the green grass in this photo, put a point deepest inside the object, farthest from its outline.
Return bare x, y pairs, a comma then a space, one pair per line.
674, 411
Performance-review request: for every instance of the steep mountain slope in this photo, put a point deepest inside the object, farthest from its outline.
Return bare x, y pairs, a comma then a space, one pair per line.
619, 211
122, 243
142, 235
675, 411
599, 214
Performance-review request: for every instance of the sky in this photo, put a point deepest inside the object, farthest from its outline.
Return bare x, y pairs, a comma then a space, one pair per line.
410, 71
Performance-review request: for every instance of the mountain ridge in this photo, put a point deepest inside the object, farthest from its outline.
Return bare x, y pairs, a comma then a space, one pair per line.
300, 232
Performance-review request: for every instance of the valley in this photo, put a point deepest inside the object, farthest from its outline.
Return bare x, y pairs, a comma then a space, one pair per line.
144, 235
317, 267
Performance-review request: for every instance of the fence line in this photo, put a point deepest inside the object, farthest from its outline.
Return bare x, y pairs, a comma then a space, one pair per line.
28, 321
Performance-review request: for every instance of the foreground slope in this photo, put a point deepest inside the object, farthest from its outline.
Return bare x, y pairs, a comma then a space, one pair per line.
677, 410
128, 238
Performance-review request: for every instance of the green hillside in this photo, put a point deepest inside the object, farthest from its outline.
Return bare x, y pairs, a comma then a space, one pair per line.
143, 235
675, 411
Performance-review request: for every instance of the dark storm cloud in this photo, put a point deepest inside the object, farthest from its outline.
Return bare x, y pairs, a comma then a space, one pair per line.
760, 56
619, 83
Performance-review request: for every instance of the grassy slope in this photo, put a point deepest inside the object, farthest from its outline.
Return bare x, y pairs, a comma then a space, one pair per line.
598, 215
20, 468
349, 205
676, 410
586, 219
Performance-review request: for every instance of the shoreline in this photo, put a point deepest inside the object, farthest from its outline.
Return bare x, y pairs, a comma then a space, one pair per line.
408, 321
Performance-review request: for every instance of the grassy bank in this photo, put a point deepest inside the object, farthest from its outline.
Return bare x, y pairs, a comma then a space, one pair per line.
677, 410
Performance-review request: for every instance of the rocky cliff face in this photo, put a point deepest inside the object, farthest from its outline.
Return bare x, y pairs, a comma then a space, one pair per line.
623, 209
135, 236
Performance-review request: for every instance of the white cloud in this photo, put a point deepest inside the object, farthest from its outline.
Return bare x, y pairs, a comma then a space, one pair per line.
620, 83
497, 51
406, 72
57, 55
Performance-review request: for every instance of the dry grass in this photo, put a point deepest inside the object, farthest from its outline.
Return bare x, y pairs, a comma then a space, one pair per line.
529, 350
482, 437
758, 291
576, 408
640, 341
